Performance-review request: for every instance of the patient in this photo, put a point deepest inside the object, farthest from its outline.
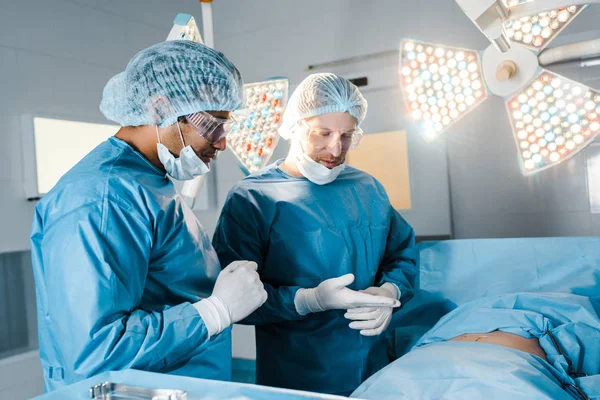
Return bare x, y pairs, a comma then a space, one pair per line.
527, 346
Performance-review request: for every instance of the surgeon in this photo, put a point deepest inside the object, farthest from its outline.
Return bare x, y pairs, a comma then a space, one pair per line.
125, 274
335, 256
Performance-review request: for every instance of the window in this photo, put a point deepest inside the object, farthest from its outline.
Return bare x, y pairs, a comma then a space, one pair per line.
53, 146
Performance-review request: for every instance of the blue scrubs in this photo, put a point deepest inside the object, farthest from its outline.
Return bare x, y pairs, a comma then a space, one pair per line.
301, 234
118, 260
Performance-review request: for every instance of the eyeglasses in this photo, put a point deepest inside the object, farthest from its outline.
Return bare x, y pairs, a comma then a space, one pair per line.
211, 129
323, 138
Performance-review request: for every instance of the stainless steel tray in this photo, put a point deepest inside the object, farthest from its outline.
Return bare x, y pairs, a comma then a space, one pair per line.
115, 391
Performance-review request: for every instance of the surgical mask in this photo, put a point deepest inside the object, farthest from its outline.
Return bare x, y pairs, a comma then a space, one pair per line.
315, 172
185, 167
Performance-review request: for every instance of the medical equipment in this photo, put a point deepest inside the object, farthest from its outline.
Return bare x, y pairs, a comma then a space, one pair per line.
323, 138
254, 138
185, 28
211, 129
501, 20
440, 84
238, 292
187, 77
117, 391
332, 294
195, 388
552, 118
373, 321
185, 167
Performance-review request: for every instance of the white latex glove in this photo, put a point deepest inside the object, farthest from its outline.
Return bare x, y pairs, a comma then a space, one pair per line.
332, 294
372, 321
237, 293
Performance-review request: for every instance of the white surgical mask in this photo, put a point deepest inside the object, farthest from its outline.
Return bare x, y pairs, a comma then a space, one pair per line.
315, 172
185, 167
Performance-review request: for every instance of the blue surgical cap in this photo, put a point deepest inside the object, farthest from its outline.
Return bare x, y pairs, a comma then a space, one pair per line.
171, 79
322, 94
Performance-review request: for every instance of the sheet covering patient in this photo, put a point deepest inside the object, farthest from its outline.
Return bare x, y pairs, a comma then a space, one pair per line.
517, 346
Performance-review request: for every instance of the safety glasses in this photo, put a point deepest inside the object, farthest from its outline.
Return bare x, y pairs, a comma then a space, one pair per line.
324, 138
211, 129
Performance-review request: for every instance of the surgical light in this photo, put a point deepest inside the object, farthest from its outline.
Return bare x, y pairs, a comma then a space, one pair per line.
574, 125
552, 118
254, 137
185, 28
440, 84
536, 31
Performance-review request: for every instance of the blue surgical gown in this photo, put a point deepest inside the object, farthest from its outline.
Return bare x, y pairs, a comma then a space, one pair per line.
118, 261
301, 234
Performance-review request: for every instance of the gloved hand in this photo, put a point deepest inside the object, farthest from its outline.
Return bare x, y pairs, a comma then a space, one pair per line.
372, 321
237, 293
332, 294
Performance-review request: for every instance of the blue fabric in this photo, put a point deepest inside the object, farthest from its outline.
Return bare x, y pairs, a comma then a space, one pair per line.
171, 79
455, 272
118, 261
195, 388
463, 370
436, 368
300, 234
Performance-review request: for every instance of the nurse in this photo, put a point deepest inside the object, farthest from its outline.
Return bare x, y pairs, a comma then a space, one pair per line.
125, 274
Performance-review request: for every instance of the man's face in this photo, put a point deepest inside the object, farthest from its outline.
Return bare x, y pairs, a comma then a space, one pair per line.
327, 138
192, 137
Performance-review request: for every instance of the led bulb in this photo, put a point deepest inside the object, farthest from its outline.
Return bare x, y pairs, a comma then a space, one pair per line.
556, 128
445, 84
537, 31
266, 102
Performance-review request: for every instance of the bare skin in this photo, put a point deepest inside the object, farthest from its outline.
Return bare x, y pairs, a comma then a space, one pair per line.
330, 157
143, 139
531, 346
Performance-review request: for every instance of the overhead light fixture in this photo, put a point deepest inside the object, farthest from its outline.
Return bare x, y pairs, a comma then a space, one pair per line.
440, 84
185, 28
552, 117
254, 137
528, 22
536, 31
